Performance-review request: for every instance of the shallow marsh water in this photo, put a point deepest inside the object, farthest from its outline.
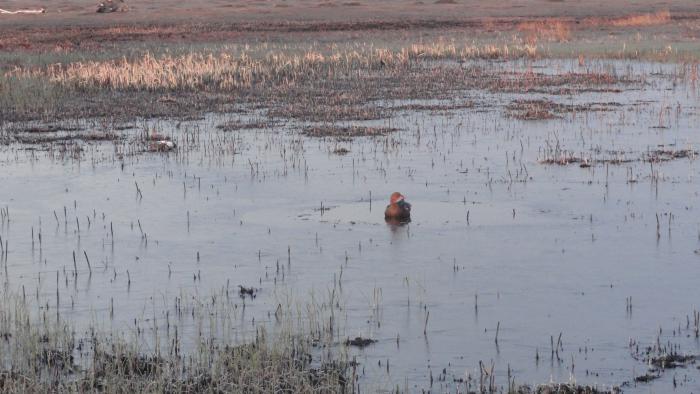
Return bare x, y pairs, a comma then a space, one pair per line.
498, 239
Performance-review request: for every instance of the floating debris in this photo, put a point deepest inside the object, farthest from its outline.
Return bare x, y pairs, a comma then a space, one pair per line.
247, 291
660, 155
670, 361
542, 109
647, 377
347, 131
341, 151
360, 342
161, 146
563, 157
238, 125
433, 107
565, 388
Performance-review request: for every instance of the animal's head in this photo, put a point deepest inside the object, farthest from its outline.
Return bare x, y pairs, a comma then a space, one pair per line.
396, 197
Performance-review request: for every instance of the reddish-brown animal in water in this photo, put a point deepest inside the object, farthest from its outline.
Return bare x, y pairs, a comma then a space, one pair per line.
398, 209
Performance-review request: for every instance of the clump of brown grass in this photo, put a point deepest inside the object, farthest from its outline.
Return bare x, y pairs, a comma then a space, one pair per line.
531, 109
545, 30
637, 20
657, 18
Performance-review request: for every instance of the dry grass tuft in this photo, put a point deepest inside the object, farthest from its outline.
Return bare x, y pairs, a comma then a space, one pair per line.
546, 30
648, 19
657, 18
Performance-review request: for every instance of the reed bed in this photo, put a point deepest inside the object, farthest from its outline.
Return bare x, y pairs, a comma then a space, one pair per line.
227, 72
275, 78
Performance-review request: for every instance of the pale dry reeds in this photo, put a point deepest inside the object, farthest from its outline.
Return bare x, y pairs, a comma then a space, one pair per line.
637, 20
226, 72
553, 30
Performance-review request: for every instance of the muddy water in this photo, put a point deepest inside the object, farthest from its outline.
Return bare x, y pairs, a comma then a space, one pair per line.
497, 238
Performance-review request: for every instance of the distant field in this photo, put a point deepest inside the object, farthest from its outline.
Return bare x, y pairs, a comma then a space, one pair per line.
82, 12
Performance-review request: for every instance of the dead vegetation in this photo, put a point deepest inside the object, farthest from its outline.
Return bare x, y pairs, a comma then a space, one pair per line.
228, 72
235, 125
638, 20
542, 109
550, 30
325, 109
564, 388
671, 360
434, 108
56, 137
247, 291
646, 378
360, 342
564, 158
557, 156
347, 131
661, 155
560, 30
557, 84
42, 128
531, 109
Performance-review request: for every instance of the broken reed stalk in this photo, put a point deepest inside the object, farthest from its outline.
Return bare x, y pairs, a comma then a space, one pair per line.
88, 261
425, 327
658, 227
